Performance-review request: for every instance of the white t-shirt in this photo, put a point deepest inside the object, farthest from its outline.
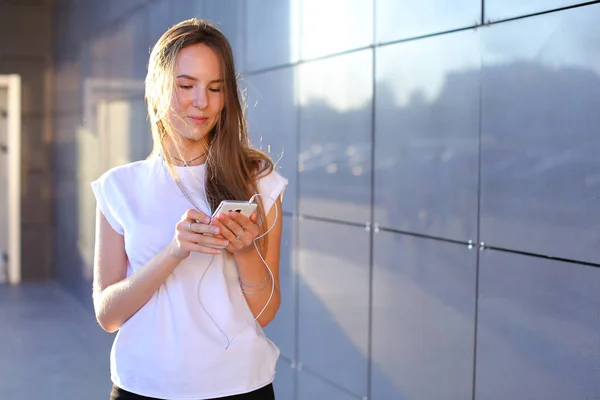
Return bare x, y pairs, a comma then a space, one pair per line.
171, 348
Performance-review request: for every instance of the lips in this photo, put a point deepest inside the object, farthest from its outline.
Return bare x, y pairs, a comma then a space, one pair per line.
198, 120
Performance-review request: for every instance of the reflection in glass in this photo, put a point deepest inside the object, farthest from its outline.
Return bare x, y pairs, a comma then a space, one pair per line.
82, 135
229, 17
157, 13
272, 122
538, 325
540, 145
335, 137
284, 384
403, 19
500, 9
311, 387
333, 274
334, 26
427, 135
128, 52
67, 86
272, 36
423, 318
114, 130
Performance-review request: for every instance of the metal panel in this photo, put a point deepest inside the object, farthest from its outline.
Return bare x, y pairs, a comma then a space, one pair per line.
402, 19
335, 137
540, 170
273, 123
501, 9
312, 388
334, 26
427, 135
538, 325
284, 384
333, 304
423, 318
272, 33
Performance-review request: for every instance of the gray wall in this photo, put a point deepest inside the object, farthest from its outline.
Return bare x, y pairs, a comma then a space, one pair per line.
26, 49
441, 235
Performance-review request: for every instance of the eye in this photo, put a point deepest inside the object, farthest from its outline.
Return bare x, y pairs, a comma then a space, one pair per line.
185, 87
215, 90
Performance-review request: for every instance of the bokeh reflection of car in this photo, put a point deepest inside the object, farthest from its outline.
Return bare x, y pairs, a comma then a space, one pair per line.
336, 172
333, 158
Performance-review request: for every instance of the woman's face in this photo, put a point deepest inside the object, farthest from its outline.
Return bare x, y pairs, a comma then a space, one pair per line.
199, 97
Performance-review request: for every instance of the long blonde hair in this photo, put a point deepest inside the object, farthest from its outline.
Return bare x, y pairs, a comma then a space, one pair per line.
232, 166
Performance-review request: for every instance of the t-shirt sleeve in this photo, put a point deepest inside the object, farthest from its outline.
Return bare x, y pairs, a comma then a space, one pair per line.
106, 194
271, 187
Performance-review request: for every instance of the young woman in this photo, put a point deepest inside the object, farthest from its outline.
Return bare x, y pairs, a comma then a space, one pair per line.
189, 314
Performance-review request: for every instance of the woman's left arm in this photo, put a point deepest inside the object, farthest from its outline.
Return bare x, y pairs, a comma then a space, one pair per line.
255, 279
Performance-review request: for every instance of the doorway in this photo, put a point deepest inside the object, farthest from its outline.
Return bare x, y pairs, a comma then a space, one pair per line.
10, 179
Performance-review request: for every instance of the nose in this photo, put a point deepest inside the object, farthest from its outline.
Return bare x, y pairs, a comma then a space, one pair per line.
200, 99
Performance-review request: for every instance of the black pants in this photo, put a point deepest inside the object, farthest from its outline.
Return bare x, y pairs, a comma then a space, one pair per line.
264, 393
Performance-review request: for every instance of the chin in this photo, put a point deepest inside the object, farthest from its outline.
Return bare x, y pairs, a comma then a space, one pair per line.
194, 138
196, 135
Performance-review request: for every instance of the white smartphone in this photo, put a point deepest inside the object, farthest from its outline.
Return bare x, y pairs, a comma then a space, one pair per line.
243, 207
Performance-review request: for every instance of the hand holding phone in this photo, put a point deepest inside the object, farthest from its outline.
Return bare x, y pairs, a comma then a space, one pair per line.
243, 207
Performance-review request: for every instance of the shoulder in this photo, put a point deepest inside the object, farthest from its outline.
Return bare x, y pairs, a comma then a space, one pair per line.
125, 180
270, 178
126, 174
270, 185
117, 187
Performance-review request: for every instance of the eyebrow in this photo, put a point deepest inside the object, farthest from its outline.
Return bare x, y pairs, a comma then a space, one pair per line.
194, 79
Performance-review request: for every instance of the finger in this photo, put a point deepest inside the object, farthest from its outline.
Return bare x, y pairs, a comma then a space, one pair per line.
184, 226
216, 222
203, 239
225, 231
192, 226
234, 242
246, 239
239, 239
195, 215
246, 223
231, 248
234, 226
204, 228
203, 249
254, 217
240, 218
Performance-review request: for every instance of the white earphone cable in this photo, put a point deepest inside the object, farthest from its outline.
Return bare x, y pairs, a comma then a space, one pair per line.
230, 341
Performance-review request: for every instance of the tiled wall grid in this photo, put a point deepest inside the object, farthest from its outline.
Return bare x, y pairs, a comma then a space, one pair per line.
441, 224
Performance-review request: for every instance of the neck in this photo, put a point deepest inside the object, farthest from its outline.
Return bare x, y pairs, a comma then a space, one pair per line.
191, 153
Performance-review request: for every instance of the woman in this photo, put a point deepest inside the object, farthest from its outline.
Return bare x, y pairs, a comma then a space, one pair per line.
190, 314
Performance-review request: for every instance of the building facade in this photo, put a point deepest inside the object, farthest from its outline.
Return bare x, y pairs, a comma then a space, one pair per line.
441, 232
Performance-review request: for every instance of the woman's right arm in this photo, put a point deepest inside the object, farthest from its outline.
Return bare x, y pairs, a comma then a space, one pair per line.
117, 297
